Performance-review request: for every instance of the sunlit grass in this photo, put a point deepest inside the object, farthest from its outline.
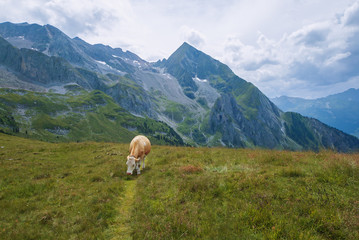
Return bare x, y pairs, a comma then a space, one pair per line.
76, 191
202, 193
58, 191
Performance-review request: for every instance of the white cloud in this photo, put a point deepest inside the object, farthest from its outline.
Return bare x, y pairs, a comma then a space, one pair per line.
73, 17
311, 35
192, 36
351, 15
336, 58
308, 62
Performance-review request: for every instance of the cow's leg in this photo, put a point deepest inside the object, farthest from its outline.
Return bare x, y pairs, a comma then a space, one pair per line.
143, 162
138, 166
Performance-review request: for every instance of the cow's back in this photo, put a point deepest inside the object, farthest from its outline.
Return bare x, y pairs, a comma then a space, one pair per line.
147, 145
140, 145
145, 142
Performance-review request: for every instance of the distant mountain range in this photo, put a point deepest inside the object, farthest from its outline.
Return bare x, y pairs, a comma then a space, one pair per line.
196, 99
339, 110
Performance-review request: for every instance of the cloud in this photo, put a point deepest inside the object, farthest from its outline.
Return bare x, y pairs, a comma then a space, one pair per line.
351, 15
73, 17
316, 58
336, 58
251, 58
192, 36
311, 35
109, 22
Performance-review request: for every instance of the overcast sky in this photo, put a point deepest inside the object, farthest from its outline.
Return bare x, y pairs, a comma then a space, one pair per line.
303, 48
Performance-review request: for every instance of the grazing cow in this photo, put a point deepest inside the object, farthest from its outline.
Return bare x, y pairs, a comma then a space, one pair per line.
140, 146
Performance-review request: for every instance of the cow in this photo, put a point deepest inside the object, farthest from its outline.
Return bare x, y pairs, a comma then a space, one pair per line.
140, 147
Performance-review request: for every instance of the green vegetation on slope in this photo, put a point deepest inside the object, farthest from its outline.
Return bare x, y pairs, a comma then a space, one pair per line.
76, 191
297, 128
83, 116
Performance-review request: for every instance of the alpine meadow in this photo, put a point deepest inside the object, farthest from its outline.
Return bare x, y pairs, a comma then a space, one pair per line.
226, 162
81, 191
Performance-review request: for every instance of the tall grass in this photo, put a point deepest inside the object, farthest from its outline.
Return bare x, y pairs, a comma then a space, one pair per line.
201, 193
58, 191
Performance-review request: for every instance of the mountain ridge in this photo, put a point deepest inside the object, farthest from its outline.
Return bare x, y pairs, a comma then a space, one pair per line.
198, 96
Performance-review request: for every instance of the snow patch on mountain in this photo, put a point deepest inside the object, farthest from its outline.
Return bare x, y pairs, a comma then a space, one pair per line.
199, 80
101, 62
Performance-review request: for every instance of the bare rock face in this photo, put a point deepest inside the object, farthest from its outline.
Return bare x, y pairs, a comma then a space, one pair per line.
227, 118
136, 101
237, 130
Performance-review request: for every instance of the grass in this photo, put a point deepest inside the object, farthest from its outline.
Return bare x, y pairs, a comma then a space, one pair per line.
201, 193
59, 191
80, 191
121, 227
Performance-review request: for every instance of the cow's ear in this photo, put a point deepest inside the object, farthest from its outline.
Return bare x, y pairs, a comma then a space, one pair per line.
137, 159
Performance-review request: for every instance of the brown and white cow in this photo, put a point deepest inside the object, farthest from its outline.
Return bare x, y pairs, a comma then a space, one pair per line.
140, 147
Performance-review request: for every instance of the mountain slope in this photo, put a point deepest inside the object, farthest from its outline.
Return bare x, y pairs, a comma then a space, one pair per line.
338, 110
52, 42
188, 64
313, 134
105, 55
76, 116
228, 119
34, 67
46, 39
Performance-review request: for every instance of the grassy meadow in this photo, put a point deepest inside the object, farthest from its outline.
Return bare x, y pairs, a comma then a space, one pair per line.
80, 191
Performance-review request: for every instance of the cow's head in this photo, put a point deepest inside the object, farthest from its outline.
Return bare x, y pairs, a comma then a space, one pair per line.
131, 164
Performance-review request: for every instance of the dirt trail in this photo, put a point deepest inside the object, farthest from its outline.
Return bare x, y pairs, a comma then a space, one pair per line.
121, 226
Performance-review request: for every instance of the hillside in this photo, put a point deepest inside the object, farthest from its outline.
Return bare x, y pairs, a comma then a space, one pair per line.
198, 97
338, 110
80, 190
76, 116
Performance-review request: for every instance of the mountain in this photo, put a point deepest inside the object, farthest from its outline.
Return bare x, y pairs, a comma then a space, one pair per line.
52, 42
338, 110
249, 111
36, 68
196, 95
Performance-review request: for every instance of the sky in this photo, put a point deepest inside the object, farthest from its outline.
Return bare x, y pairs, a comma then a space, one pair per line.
298, 48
